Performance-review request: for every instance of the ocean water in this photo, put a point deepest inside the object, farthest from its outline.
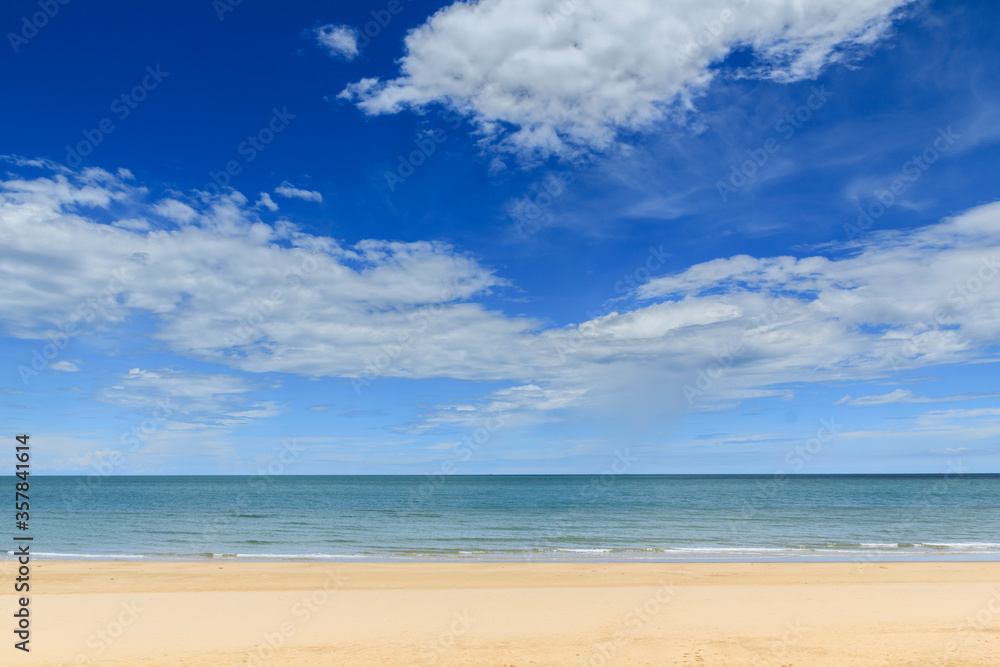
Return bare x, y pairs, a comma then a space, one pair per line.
531, 517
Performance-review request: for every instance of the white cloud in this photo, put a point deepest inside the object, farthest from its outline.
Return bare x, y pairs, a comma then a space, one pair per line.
968, 413
95, 459
64, 366
229, 289
547, 75
89, 187
895, 396
511, 406
907, 396
135, 224
175, 210
203, 399
967, 425
340, 41
858, 312
265, 201
286, 189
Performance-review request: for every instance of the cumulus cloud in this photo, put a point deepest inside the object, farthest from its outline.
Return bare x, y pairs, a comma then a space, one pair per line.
947, 308
265, 201
227, 288
231, 289
175, 210
286, 189
340, 41
545, 76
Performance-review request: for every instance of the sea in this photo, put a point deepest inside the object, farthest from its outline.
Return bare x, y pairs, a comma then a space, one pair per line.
863, 518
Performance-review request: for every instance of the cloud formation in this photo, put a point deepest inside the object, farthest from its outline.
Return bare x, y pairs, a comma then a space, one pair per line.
199, 398
64, 366
286, 189
907, 396
340, 41
227, 288
265, 201
548, 76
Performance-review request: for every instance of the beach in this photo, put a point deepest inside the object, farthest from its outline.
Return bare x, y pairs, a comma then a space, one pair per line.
513, 333
213, 612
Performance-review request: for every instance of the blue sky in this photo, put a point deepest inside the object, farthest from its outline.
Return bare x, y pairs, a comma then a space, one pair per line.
518, 236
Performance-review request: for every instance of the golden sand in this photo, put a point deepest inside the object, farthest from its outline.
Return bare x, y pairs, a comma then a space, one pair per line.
493, 614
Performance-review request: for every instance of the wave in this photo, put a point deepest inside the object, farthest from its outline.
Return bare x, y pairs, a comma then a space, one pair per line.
960, 545
841, 550
66, 555
304, 556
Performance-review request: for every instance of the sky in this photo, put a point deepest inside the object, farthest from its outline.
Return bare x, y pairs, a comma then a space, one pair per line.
513, 236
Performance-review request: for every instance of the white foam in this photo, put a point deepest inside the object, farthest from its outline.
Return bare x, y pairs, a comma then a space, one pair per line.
299, 556
734, 549
61, 555
961, 545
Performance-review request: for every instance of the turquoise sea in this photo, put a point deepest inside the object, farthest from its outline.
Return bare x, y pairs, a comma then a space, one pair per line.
532, 517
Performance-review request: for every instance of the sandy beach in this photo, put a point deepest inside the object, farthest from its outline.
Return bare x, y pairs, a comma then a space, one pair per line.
510, 614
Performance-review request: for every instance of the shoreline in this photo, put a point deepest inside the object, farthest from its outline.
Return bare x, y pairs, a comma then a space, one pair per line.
865, 557
807, 614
